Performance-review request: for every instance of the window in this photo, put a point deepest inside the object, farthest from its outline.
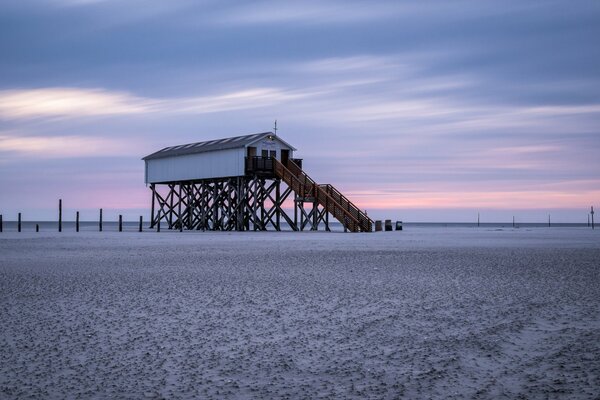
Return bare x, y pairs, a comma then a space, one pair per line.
265, 153
273, 154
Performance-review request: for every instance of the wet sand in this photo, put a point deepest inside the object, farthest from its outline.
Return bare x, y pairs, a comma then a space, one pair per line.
423, 313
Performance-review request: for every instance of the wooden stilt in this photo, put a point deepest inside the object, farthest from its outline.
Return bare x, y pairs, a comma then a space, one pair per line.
152, 210
225, 204
315, 221
1, 223
37, 227
158, 224
100, 221
190, 206
19, 223
296, 213
140, 223
60, 215
77, 222
120, 223
172, 195
179, 216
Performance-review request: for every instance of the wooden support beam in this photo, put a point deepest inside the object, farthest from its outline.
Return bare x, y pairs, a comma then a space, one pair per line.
153, 188
100, 222
277, 205
190, 205
77, 221
179, 216
120, 223
141, 221
223, 204
60, 215
172, 196
1, 223
19, 223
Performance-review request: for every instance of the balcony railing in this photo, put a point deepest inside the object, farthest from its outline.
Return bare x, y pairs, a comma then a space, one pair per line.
259, 165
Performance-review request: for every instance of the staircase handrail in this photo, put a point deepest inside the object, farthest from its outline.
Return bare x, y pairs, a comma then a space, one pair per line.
344, 201
326, 200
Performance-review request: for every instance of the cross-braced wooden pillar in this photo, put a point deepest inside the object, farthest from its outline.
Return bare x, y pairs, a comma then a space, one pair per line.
238, 203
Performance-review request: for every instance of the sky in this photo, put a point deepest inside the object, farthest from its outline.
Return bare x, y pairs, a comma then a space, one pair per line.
417, 111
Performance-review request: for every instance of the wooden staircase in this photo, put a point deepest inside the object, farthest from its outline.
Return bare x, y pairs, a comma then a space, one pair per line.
334, 202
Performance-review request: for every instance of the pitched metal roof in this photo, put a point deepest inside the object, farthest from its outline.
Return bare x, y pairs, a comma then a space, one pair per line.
212, 145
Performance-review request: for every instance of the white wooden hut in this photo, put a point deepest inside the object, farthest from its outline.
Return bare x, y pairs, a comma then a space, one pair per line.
211, 159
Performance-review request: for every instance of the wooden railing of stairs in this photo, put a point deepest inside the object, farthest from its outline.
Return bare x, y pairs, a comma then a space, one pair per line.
343, 201
326, 195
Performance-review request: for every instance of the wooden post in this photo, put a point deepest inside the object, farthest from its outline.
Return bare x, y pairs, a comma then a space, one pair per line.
592, 213
158, 223
190, 191
60, 215
172, 195
120, 223
477, 219
277, 210
19, 223
77, 222
100, 221
152, 210
0, 222
140, 223
37, 227
513, 221
296, 211
179, 209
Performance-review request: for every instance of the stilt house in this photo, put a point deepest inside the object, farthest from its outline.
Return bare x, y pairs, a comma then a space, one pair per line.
241, 183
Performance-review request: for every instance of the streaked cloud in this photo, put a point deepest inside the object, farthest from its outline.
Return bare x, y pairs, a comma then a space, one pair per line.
76, 102
309, 12
64, 146
242, 99
62, 101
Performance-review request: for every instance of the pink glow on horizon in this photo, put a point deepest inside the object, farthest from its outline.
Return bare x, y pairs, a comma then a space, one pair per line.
501, 200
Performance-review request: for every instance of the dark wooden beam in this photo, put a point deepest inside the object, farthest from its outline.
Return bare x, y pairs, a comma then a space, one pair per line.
60, 215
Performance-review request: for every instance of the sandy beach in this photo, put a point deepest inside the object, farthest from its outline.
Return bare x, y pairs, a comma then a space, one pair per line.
423, 313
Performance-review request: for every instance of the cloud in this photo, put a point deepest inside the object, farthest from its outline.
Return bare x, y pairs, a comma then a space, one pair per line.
242, 99
311, 12
64, 146
76, 103
63, 101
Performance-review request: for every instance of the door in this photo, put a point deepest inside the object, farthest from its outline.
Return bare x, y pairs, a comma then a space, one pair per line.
285, 154
251, 151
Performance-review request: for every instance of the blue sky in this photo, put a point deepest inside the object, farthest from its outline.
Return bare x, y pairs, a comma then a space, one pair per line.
429, 110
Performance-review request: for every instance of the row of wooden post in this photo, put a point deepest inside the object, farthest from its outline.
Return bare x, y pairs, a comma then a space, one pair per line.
37, 226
